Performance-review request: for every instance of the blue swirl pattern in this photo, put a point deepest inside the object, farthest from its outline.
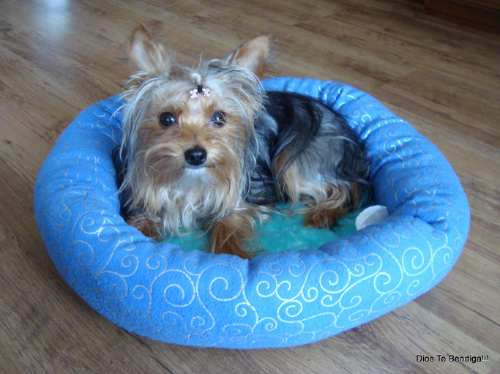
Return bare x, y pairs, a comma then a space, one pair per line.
200, 299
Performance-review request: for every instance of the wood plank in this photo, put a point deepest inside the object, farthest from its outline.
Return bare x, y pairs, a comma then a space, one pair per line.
57, 57
482, 14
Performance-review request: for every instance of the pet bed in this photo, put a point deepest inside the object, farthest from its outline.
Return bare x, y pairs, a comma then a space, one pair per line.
161, 291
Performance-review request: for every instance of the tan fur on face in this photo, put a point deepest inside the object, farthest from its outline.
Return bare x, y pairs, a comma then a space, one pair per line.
194, 128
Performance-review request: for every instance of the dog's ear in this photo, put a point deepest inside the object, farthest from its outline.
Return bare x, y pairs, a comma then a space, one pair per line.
147, 55
252, 55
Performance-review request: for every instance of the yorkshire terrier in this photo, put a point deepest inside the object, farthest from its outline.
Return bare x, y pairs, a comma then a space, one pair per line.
207, 148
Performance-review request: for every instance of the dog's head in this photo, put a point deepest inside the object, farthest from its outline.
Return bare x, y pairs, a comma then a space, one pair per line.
189, 129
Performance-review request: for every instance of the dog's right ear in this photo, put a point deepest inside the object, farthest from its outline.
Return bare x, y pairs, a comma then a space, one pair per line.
147, 55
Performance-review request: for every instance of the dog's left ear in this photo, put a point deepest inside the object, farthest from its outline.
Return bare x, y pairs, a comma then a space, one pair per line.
252, 55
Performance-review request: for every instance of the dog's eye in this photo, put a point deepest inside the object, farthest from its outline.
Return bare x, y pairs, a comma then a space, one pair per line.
167, 119
218, 118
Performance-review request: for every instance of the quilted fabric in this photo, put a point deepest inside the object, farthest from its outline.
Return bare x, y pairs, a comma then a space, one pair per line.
195, 298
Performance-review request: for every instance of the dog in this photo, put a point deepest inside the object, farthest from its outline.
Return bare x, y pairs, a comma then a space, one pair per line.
207, 148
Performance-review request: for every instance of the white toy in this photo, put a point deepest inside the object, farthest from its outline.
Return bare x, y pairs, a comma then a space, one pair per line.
370, 216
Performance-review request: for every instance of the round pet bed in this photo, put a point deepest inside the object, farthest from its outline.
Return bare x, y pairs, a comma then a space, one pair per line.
161, 291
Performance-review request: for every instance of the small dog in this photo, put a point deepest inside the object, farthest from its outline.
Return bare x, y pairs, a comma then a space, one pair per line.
207, 148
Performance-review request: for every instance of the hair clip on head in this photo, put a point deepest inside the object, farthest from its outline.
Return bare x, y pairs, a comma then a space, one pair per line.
199, 91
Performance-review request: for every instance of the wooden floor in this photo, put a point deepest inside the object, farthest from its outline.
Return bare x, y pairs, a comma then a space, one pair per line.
58, 56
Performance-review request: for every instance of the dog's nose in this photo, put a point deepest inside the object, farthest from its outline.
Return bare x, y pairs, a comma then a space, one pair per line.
195, 156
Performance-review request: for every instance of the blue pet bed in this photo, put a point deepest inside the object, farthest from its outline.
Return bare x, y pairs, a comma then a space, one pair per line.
161, 291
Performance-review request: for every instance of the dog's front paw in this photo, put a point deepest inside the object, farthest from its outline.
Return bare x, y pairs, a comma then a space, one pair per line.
145, 225
229, 235
229, 246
